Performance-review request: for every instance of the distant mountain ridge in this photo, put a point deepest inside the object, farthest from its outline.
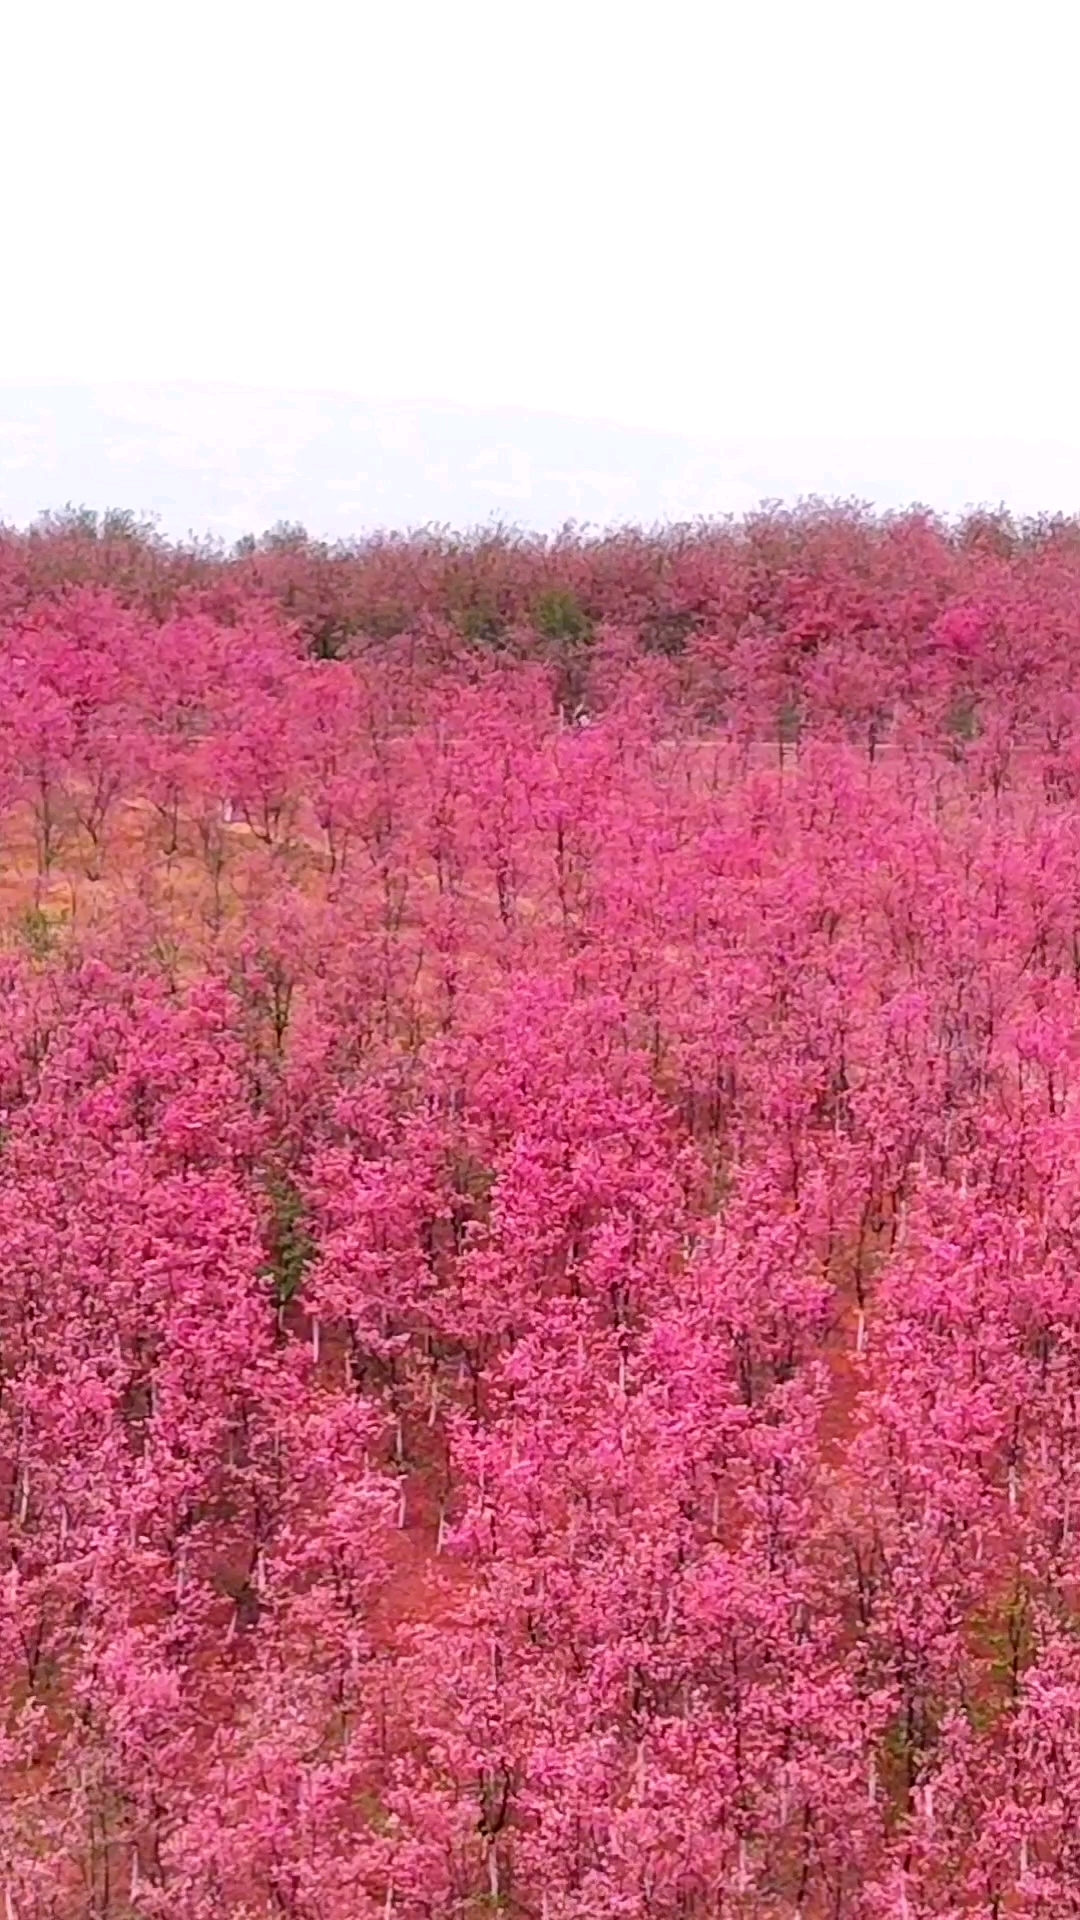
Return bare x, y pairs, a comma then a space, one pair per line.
230, 460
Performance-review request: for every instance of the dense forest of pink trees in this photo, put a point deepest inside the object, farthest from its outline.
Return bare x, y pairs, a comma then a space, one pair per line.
540, 1212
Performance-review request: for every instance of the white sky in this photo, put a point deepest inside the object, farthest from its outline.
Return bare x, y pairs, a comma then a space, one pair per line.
766, 217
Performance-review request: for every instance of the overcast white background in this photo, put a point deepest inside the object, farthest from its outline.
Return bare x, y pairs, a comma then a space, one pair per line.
367, 264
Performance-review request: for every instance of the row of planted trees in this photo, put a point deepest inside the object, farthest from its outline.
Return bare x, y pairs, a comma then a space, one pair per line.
539, 1337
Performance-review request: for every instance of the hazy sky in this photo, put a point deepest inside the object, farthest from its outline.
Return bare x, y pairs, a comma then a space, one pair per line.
806, 218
